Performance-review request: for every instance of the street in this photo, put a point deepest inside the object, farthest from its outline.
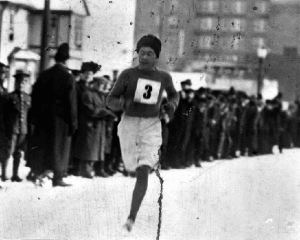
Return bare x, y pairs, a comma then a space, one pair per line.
243, 199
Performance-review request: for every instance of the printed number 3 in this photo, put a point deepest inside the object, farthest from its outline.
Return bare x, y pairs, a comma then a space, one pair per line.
147, 94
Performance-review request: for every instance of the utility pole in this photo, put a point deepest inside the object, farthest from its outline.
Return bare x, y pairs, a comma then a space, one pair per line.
261, 54
260, 75
45, 37
161, 18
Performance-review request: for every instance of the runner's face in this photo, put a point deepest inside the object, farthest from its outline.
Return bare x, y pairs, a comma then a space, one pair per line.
147, 58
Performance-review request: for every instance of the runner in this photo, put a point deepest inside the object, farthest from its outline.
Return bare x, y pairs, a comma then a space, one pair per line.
138, 92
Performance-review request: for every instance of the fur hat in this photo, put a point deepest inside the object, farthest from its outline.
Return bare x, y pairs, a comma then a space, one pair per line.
90, 66
62, 53
150, 41
21, 72
187, 82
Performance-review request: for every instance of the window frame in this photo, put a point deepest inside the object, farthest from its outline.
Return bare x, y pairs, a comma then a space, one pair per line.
78, 35
207, 40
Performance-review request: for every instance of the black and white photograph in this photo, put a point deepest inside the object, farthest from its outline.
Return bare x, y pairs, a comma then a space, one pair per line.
149, 119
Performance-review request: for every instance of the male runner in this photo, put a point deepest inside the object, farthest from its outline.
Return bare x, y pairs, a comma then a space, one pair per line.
138, 92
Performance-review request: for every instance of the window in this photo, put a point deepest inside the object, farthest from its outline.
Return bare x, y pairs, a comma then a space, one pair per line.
205, 42
262, 7
228, 58
258, 42
239, 7
234, 42
226, 6
237, 25
260, 25
208, 6
174, 5
53, 30
173, 21
237, 43
224, 24
181, 38
11, 31
78, 32
206, 23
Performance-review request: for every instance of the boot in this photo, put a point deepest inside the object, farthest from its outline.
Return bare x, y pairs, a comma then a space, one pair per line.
57, 180
110, 170
31, 177
198, 163
75, 168
4, 166
16, 164
85, 169
101, 172
60, 183
16, 179
108, 164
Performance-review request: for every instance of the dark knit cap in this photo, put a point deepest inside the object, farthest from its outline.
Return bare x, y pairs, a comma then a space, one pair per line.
62, 53
90, 66
187, 82
150, 41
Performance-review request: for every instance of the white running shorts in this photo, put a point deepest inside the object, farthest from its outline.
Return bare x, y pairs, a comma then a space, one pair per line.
140, 140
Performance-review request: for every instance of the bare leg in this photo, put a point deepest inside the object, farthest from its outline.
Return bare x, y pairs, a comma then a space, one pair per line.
139, 192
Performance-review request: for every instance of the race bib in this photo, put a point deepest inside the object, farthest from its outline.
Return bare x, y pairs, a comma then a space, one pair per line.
147, 91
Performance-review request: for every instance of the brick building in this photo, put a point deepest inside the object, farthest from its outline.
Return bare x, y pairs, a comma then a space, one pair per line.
206, 33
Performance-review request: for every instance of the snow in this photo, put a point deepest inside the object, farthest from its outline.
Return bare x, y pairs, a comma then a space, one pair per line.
242, 199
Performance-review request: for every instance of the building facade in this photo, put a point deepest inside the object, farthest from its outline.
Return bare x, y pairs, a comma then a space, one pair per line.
206, 34
21, 27
283, 62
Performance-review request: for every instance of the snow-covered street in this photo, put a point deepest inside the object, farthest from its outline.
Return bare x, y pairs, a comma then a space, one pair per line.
243, 199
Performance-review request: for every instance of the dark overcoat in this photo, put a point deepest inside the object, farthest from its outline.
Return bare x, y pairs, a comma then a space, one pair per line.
92, 112
53, 117
4, 146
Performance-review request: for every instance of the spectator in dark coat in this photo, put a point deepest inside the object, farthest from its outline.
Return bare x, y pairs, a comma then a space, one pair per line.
213, 116
226, 122
292, 125
180, 149
270, 127
200, 131
54, 116
4, 146
249, 129
105, 168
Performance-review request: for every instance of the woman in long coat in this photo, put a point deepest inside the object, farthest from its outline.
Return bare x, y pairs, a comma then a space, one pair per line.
92, 111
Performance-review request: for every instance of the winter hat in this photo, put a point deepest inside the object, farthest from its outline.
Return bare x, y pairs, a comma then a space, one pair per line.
150, 41
62, 53
90, 66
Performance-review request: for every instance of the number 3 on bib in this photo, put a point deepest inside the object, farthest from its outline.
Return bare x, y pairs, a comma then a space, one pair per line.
147, 91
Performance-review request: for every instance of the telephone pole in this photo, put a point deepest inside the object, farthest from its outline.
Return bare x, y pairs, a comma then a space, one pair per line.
161, 18
45, 37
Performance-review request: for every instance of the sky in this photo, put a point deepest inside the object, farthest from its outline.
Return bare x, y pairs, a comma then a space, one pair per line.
108, 36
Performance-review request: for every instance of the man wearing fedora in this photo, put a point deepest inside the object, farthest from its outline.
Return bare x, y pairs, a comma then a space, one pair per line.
54, 116
16, 110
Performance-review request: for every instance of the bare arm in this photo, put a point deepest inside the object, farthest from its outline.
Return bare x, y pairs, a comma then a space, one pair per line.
173, 96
